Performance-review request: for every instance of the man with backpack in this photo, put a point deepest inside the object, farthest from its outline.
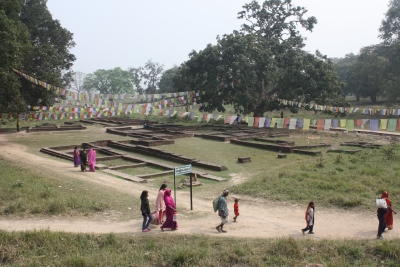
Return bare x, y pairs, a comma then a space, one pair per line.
223, 211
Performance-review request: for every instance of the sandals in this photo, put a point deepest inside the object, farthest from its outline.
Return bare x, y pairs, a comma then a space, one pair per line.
218, 229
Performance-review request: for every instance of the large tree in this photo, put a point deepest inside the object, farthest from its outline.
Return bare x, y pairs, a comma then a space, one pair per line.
14, 42
166, 84
77, 82
264, 60
343, 69
114, 81
137, 76
368, 75
390, 49
151, 75
50, 55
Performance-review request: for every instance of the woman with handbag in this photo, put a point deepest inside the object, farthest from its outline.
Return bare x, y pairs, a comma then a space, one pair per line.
169, 212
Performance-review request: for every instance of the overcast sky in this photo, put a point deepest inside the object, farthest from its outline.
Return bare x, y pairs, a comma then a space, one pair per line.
126, 33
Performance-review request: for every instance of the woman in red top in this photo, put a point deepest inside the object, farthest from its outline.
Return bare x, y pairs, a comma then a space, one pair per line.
389, 215
236, 209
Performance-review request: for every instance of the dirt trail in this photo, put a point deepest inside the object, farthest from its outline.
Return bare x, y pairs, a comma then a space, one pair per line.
258, 218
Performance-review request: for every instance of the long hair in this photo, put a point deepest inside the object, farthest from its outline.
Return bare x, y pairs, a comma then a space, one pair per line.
163, 186
144, 195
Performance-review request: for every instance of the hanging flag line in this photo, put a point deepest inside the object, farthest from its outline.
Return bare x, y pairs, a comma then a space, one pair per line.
189, 97
84, 96
364, 111
390, 125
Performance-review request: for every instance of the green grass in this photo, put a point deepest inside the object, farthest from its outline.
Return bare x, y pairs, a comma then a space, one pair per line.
44, 248
344, 181
26, 193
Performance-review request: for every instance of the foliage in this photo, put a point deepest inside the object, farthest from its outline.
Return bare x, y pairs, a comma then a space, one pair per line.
50, 54
77, 81
166, 84
14, 40
137, 79
263, 60
151, 73
343, 68
368, 73
114, 81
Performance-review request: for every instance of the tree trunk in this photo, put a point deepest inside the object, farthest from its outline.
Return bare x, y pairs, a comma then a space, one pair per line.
357, 97
373, 99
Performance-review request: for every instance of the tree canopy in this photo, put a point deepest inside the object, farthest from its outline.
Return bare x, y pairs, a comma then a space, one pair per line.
14, 40
114, 81
166, 84
36, 44
263, 60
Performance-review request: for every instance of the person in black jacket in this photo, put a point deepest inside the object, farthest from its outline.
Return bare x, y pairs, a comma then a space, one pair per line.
83, 157
145, 208
381, 212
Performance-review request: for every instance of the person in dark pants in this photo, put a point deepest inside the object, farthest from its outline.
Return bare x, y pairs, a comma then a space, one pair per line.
309, 216
381, 212
83, 157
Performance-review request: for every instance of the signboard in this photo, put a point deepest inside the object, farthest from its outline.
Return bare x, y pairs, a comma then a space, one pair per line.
183, 169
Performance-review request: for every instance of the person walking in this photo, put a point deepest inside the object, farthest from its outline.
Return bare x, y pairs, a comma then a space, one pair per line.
223, 211
83, 157
309, 216
389, 214
169, 212
77, 159
160, 204
145, 209
236, 209
381, 212
92, 160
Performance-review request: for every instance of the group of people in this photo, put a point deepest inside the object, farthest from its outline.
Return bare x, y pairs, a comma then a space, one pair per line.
385, 216
83, 159
165, 207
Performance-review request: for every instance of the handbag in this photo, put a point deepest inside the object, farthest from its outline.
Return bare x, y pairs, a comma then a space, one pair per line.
175, 217
381, 203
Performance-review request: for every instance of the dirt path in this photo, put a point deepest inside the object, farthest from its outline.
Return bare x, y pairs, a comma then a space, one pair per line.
258, 218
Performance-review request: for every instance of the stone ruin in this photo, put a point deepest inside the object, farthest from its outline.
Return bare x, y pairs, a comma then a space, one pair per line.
49, 127
106, 147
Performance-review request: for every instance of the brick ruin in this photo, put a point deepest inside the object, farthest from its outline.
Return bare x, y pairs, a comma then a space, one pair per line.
49, 127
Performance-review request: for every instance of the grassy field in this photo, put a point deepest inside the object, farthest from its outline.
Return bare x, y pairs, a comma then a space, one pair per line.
44, 248
27, 193
333, 180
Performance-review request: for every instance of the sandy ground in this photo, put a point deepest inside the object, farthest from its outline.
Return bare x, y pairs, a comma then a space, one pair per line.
258, 218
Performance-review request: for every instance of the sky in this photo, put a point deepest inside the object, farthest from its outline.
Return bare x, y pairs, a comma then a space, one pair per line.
128, 33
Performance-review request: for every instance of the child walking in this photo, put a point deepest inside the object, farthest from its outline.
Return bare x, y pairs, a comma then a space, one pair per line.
309, 216
145, 209
236, 209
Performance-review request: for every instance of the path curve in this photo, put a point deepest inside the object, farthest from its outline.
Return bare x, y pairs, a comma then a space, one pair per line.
259, 218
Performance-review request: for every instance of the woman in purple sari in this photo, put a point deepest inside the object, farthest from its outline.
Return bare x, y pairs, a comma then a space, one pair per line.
92, 159
170, 210
77, 160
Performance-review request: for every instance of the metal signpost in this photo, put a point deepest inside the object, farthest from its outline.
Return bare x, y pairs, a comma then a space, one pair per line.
183, 170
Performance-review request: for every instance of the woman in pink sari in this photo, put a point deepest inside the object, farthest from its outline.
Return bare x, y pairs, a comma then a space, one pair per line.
170, 210
92, 159
160, 203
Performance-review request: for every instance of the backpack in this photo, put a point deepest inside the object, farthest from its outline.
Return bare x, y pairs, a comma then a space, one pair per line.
381, 203
216, 204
